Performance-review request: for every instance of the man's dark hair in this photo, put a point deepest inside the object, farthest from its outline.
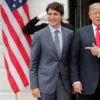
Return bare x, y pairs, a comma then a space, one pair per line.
56, 6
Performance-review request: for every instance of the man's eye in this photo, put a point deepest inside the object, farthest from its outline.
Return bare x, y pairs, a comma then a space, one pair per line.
49, 13
55, 14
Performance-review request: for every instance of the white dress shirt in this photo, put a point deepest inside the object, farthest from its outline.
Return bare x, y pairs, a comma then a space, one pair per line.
94, 29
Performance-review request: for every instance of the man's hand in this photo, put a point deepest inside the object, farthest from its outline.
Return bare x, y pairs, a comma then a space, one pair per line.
78, 88
36, 92
94, 50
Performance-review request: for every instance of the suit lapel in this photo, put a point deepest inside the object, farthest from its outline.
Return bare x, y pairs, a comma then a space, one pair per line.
64, 41
51, 42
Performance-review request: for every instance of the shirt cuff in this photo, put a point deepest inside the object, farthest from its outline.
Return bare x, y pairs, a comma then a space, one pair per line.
98, 54
76, 83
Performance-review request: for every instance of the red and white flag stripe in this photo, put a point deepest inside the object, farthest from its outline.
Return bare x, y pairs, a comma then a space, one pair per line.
17, 45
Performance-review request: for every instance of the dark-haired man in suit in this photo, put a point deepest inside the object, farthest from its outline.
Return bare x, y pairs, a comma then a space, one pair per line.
49, 67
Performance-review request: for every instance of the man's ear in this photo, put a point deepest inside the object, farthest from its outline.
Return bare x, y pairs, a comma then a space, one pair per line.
62, 16
89, 14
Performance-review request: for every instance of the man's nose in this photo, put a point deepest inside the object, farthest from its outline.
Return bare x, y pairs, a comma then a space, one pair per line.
98, 14
52, 16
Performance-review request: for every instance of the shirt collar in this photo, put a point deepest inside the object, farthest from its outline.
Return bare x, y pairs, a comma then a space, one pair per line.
94, 27
53, 29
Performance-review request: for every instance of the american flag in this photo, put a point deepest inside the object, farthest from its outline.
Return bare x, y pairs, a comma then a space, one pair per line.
17, 46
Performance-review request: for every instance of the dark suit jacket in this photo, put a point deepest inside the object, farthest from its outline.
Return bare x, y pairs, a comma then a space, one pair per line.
31, 26
84, 66
45, 63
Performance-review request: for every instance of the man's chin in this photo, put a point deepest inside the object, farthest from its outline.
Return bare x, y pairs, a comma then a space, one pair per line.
98, 25
52, 24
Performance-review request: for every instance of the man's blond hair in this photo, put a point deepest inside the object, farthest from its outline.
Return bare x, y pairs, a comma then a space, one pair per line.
94, 6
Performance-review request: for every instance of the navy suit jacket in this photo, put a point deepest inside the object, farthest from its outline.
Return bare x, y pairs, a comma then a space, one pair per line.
84, 66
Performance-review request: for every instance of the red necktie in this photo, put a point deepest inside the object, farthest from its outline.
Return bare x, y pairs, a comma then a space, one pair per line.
98, 37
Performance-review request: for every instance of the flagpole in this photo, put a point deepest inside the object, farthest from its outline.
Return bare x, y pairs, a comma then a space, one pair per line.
16, 96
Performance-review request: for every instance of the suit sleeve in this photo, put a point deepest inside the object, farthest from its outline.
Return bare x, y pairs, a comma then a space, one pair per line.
31, 27
74, 61
34, 63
